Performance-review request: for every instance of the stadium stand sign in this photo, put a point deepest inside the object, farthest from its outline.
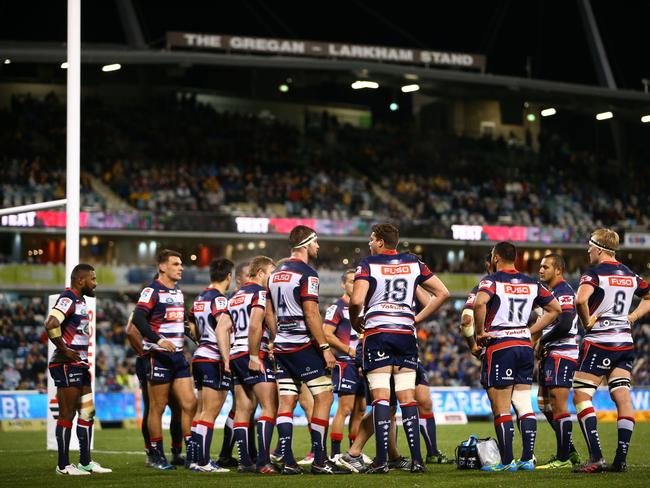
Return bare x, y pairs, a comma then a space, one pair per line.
295, 47
637, 240
516, 233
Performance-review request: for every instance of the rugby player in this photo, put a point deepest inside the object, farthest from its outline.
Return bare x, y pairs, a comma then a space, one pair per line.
348, 385
557, 351
243, 334
211, 379
384, 287
175, 429
301, 352
225, 455
502, 309
603, 303
67, 327
160, 318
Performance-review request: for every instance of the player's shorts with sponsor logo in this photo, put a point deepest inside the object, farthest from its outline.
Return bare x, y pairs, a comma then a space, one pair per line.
241, 375
556, 371
165, 367
508, 363
601, 359
302, 365
69, 374
346, 379
389, 349
209, 373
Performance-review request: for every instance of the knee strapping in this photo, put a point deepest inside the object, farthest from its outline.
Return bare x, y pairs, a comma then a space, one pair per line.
378, 380
405, 381
319, 385
617, 383
522, 402
585, 386
581, 406
87, 408
287, 386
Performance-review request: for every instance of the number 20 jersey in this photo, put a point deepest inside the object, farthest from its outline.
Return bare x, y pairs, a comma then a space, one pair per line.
291, 284
513, 295
240, 308
614, 288
205, 313
392, 278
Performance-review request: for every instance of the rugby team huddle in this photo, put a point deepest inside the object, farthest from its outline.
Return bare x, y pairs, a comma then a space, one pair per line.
267, 344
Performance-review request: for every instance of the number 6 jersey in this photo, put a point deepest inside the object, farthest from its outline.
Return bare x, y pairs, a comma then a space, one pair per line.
393, 278
614, 288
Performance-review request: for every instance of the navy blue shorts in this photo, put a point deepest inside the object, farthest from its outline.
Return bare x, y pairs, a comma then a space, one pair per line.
508, 363
241, 375
65, 375
601, 360
165, 367
209, 373
303, 365
557, 371
346, 379
390, 349
421, 377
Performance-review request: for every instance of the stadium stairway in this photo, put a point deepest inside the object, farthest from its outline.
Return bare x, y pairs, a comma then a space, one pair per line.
113, 202
388, 198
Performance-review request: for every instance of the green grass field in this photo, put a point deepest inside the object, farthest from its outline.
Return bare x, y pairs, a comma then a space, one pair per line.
25, 462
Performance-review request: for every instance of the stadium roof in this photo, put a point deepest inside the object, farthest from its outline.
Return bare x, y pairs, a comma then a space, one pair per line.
534, 50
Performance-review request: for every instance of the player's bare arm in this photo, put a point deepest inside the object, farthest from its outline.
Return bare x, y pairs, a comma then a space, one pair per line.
224, 327
357, 300
440, 295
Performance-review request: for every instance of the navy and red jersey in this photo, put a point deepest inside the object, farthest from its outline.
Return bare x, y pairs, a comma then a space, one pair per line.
393, 278
567, 345
513, 295
165, 311
614, 288
290, 285
240, 307
338, 315
75, 328
205, 312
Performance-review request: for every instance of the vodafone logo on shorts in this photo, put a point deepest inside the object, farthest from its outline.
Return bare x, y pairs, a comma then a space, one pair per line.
395, 270
621, 281
281, 277
517, 289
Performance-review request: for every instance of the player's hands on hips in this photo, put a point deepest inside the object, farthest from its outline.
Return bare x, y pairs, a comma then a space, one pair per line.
330, 361
167, 345
476, 352
254, 364
483, 339
71, 354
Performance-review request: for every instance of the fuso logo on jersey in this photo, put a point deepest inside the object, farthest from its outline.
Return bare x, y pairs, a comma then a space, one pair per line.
566, 300
237, 300
198, 307
517, 289
281, 277
621, 281
395, 270
174, 314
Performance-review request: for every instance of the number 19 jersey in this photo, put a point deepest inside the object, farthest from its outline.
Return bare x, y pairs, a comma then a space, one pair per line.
290, 285
392, 278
